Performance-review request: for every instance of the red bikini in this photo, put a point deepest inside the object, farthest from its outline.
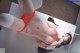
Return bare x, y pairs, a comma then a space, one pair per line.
27, 19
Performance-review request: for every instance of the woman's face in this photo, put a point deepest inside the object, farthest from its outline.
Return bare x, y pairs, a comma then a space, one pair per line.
65, 37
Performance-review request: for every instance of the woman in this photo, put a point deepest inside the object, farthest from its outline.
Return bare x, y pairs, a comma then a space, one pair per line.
59, 41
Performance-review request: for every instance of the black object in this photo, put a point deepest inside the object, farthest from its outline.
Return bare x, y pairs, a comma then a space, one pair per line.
51, 20
0, 0
42, 50
0, 27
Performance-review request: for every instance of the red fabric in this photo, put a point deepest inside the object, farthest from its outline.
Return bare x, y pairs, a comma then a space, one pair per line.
27, 19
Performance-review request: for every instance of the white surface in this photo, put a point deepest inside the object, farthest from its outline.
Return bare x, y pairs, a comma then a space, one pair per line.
19, 43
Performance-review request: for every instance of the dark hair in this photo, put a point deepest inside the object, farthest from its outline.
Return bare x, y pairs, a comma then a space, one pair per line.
65, 42
0, 27
42, 50
68, 41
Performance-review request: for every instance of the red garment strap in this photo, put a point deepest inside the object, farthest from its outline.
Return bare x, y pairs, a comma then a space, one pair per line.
27, 19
